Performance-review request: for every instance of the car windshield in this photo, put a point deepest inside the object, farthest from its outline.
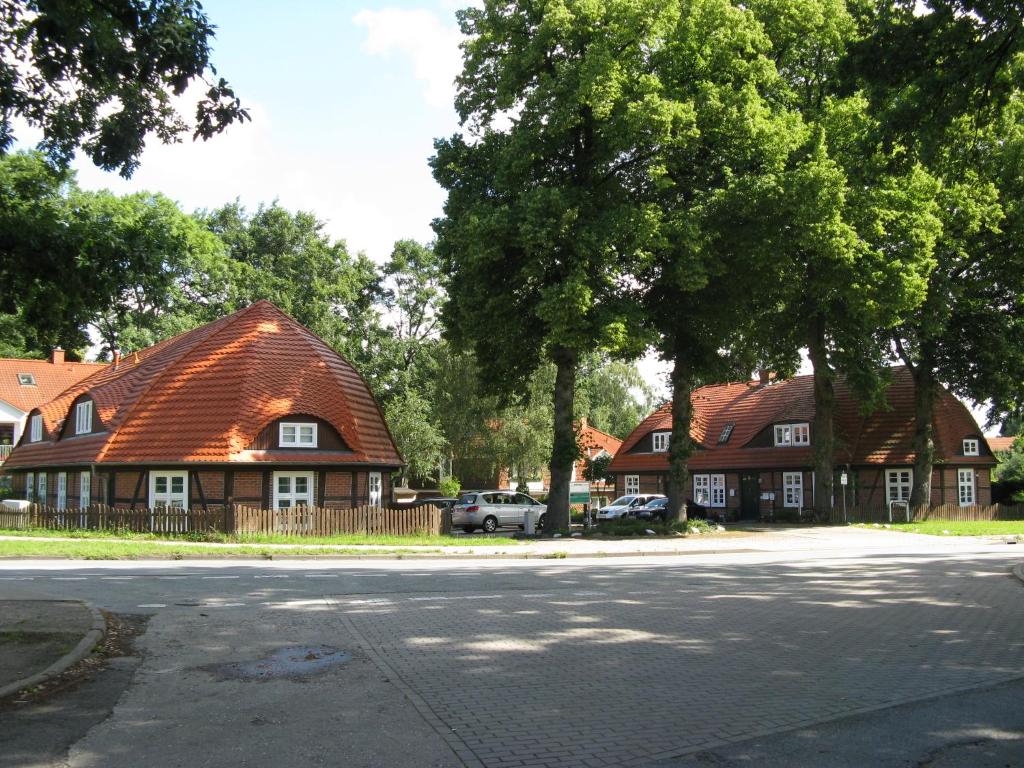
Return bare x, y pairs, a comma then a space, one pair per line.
658, 503
622, 501
467, 498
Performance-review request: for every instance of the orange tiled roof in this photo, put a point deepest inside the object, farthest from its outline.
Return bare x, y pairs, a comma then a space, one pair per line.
203, 396
1001, 443
51, 379
591, 441
883, 437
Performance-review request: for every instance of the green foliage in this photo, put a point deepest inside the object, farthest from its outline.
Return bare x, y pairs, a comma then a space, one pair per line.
449, 487
596, 469
1010, 468
102, 75
419, 440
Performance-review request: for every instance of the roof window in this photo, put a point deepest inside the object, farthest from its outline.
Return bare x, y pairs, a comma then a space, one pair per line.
726, 432
26, 379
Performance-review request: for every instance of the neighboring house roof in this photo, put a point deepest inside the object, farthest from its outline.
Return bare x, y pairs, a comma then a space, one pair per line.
592, 441
51, 378
883, 437
1001, 443
205, 395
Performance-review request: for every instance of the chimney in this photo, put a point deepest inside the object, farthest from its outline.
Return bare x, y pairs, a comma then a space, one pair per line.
117, 358
764, 376
57, 356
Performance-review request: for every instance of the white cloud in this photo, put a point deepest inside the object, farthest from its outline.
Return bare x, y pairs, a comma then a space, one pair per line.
420, 35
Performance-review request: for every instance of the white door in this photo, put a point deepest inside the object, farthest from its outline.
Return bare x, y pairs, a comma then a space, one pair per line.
376, 489
41, 497
62, 490
168, 490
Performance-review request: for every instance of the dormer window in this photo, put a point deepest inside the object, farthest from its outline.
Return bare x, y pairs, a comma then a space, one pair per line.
792, 434
83, 418
295, 434
26, 379
660, 441
972, 447
35, 429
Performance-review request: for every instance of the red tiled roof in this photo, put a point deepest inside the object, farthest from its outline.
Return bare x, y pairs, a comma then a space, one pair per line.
1001, 443
203, 396
51, 379
883, 437
591, 441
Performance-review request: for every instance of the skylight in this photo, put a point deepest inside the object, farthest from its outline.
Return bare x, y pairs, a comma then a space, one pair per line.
726, 432
26, 379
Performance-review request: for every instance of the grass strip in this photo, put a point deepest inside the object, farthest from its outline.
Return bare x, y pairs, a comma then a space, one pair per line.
132, 550
957, 528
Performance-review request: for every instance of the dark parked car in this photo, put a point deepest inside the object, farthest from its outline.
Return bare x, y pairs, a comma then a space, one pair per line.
655, 510
442, 503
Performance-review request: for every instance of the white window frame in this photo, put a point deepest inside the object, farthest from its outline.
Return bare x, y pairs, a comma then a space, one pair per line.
702, 490
41, 496
375, 489
26, 379
718, 491
801, 434
631, 485
168, 495
84, 489
83, 418
35, 428
894, 479
966, 489
660, 441
792, 489
972, 447
792, 434
296, 440
30, 486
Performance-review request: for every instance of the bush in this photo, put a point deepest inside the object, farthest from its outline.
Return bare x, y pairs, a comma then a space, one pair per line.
449, 487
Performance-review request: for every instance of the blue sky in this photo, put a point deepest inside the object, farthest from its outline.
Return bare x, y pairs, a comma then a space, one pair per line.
346, 99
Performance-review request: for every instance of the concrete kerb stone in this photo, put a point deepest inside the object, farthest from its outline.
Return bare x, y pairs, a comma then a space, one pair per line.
94, 635
1018, 571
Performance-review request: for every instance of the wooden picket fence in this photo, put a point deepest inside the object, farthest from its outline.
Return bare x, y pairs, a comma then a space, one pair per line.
950, 512
321, 521
297, 521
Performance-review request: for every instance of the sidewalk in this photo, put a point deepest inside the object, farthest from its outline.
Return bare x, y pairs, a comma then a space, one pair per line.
39, 639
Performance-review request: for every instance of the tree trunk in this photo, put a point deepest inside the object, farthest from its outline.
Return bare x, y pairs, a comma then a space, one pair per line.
680, 445
823, 437
564, 450
924, 445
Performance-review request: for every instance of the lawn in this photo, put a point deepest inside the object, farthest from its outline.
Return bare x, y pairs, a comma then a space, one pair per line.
967, 528
420, 540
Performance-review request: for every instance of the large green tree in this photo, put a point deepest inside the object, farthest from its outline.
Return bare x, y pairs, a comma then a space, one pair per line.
102, 75
559, 106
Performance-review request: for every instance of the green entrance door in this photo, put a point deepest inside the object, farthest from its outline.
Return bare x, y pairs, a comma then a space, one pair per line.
750, 493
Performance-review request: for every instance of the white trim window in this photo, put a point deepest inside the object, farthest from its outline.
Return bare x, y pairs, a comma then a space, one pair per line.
41, 489
702, 490
660, 441
85, 489
30, 486
718, 490
792, 434
168, 490
295, 434
898, 484
965, 486
62, 490
293, 489
972, 447
376, 489
83, 418
792, 489
631, 485
35, 429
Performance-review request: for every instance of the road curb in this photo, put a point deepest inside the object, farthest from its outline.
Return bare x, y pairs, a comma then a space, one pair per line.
96, 633
1018, 571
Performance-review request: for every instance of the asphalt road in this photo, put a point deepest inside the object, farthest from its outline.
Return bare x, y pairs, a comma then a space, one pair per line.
777, 658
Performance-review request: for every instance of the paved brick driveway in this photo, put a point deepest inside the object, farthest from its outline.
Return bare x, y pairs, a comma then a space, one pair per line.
628, 667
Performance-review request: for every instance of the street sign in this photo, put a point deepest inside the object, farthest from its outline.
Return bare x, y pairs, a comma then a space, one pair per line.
844, 479
579, 493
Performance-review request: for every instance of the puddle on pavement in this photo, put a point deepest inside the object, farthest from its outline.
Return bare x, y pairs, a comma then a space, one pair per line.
293, 662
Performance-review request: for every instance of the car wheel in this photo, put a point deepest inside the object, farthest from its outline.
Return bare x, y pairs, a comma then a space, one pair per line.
468, 528
540, 522
490, 524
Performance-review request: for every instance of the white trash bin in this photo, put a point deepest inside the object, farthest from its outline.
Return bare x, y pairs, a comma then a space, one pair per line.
529, 522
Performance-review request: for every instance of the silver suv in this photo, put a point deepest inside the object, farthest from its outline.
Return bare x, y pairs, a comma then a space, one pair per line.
493, 509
